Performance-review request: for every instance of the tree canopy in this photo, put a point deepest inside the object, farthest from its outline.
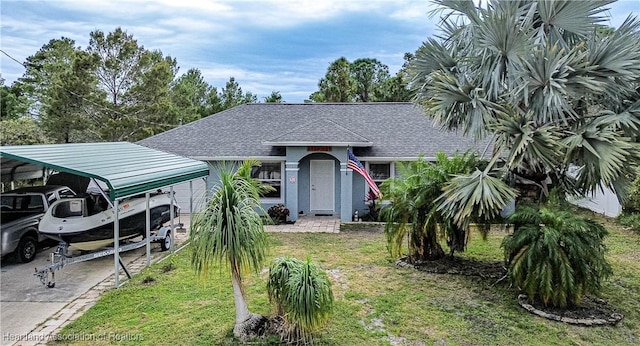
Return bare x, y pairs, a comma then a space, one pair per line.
13, 102
113, 90
363, 80
559, 96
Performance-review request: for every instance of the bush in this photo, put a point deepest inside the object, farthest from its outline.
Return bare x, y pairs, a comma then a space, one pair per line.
302, 294
630, 220
555, 256
278, 213
632, 204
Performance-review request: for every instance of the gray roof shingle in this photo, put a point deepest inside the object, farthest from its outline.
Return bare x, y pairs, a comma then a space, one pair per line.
395, 130
320, 131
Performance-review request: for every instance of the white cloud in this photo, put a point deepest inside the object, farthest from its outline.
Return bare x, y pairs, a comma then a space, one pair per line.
220, 37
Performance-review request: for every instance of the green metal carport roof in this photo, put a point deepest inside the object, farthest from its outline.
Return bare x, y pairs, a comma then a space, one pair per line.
128, 169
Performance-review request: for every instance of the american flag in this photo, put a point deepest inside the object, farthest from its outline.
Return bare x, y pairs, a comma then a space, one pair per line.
355, 165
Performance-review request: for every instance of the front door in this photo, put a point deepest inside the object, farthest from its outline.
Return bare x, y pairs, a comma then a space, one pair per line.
322, 177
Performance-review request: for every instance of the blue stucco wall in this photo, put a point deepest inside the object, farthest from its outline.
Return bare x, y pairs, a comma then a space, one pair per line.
358, 196
296, 193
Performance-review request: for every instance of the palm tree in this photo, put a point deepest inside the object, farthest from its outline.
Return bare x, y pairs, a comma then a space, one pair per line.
414, 207
302, 294
555, 255
229, 232
558, 94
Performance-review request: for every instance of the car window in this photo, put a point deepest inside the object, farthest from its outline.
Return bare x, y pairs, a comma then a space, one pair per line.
16, 203
51, 197
65, 193
7, 202
35, 203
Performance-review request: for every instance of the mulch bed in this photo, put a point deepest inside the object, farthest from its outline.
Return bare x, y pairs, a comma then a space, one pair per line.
591, 312
458, 266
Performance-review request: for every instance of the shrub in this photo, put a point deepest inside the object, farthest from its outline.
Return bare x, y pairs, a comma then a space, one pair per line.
301, 291
279, 274
555, 256
632, 204
278, 213
630, 220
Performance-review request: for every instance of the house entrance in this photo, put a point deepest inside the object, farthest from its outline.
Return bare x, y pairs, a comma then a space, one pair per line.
322, 181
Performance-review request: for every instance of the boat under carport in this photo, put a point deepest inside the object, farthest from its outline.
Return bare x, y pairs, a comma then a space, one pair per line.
127, 169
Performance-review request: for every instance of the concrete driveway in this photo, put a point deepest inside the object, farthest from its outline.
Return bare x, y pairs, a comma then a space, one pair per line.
25, 303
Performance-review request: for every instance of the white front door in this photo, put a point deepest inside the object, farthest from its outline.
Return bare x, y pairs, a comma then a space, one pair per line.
321, 178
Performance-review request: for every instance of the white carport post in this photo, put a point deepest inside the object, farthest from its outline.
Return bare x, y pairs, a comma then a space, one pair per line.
172, 216
148, 229
116, 243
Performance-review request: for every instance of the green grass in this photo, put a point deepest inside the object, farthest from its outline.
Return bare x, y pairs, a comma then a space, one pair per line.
376, 303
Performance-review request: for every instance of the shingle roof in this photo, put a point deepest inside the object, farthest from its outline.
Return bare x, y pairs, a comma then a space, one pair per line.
319, 131
394, 129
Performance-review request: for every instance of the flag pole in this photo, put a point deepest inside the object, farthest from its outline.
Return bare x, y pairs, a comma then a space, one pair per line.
346, 172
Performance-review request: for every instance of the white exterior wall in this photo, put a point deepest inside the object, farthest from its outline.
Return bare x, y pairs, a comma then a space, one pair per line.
601, 202
182, 195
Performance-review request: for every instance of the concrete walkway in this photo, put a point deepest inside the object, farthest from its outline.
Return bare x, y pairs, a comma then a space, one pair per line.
309, 224
50, 329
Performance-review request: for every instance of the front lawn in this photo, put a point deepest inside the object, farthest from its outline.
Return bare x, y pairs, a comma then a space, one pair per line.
376, 303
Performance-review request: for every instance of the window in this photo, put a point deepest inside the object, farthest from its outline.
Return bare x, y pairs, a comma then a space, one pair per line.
23, 203
70, 208
7, 203
380, 171
35, 203
51, 197
270, 173
66, 193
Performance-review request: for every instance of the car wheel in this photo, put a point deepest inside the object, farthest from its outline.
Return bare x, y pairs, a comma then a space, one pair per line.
27, 249
165, 244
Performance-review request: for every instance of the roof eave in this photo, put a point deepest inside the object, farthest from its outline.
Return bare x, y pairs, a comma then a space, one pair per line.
316, 143
238, 158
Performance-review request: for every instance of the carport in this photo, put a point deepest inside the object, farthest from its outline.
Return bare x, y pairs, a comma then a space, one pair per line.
127, 169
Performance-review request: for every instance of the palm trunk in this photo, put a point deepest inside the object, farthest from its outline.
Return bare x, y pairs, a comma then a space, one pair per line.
426, 246
242, 311
248, 325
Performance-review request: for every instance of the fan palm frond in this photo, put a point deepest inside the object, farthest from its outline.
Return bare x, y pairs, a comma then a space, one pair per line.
503, 40
563, 20
414, 207
539, 146
456, 102
545, 90
475, 195
601, 153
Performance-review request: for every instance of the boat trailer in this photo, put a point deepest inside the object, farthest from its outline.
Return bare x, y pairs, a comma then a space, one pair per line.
60, 258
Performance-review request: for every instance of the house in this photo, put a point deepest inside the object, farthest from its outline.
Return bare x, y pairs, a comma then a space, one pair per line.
303, 148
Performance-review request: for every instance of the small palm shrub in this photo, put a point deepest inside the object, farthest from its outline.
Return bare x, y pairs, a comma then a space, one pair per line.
279, 275
301, 293
555, 256
416, 207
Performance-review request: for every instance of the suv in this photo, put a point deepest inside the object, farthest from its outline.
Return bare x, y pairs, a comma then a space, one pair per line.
20, 214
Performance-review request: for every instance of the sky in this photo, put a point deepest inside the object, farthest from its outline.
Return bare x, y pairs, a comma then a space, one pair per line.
283, 46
